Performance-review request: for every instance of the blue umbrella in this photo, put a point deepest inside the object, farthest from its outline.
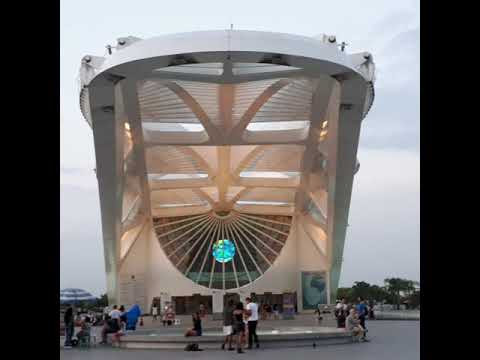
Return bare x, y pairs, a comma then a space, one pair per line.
75, 296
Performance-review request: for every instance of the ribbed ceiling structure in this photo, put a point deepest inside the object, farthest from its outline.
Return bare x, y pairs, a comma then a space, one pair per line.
188, 242
226, 136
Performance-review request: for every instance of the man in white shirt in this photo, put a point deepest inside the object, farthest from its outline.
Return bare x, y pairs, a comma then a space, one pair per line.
252, 312
115, 313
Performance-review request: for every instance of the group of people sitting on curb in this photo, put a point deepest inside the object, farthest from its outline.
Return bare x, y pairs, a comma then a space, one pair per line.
118, 321
69, 322
352, 317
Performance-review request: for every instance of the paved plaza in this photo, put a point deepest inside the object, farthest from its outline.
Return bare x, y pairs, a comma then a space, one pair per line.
393, 340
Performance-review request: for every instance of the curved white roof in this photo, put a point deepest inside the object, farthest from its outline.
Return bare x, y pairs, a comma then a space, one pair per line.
244, 123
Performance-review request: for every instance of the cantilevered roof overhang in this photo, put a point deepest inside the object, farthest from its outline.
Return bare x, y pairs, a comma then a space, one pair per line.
239, 122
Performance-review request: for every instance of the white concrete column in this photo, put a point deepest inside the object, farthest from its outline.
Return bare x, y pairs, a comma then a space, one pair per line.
108, 130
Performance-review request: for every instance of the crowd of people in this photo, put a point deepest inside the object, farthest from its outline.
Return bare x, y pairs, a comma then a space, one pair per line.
115, 322
239, 326
239, 322
352, 316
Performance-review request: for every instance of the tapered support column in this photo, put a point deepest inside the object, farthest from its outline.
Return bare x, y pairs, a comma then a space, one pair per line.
344, 132
108, 130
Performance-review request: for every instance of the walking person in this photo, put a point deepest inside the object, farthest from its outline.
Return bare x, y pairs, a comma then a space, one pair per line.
252, 312
154, 312
239, 326
318, 314
228, 325
371, 314
69, 326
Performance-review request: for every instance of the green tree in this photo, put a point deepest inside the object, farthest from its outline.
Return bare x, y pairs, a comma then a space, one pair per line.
102, 301
360, 289
397, 287
378, 293
345, 293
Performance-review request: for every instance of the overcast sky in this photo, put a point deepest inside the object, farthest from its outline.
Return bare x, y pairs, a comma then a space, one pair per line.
383, 236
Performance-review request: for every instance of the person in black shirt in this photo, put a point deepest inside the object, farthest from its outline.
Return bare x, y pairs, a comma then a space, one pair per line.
228, 325
239, 326
69, 326
197, 326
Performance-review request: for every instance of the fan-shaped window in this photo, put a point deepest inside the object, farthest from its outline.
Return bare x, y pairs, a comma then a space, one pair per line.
223, 251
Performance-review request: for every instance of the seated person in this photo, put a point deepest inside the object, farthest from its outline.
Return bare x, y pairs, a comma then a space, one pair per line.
197, 326
202, 311
263, 312
113, 325
353, 324
132, 317
84, 329
123, 316
169, 316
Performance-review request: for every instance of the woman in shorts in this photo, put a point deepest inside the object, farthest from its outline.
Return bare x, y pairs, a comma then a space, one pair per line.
239, 326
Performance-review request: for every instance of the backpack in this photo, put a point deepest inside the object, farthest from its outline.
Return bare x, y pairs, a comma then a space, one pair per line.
191, 347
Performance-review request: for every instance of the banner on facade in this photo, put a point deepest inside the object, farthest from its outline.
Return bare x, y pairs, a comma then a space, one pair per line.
314, 289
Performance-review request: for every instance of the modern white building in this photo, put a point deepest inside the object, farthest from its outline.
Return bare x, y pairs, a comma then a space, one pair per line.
225, 163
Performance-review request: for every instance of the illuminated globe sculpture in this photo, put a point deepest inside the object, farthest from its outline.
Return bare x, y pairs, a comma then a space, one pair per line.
223, 251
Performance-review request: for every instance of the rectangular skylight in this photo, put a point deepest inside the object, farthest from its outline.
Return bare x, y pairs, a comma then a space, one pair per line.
172, 127
163, 206
277, 125
160, 177
270, 174
272, 203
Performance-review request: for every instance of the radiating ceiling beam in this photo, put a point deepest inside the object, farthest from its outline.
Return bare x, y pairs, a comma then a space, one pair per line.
257, 104
212, 131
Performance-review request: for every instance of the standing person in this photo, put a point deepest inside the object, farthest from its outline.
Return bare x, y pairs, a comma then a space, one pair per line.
276, 312
341, 312
228, 325
319, 316
371, 314
69, 326
252, 312
362, 312
154, 312
239, 326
